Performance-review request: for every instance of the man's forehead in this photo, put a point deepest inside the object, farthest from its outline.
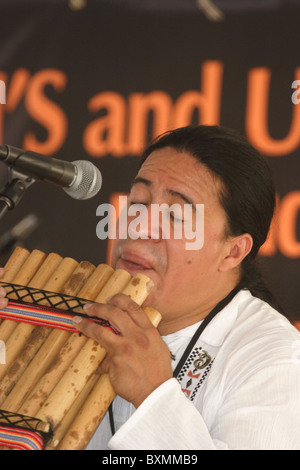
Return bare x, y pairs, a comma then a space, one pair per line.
178, 171
170, 163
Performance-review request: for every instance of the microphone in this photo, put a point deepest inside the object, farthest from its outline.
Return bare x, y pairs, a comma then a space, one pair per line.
79, 179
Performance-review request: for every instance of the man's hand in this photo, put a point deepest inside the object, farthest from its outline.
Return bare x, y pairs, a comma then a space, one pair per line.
137, 360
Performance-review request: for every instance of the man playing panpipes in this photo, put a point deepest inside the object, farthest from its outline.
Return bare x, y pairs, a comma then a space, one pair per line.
222, 371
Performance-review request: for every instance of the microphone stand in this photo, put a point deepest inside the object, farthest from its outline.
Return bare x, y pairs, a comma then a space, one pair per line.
13, 191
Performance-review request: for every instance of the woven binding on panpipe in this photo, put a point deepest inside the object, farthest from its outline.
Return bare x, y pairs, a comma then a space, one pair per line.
50, 373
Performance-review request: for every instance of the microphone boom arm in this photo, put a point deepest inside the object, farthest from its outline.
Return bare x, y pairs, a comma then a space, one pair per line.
13, 191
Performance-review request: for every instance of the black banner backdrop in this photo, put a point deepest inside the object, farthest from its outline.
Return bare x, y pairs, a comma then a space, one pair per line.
99, 82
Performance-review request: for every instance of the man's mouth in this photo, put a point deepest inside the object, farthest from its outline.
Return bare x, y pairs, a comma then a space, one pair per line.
134, 263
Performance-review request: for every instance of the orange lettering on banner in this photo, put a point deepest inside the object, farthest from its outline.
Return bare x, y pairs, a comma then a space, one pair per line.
283, 232
149, 114
288, 243
45, 112
140, 106
15, 93
106, 134
207, 102
257, 116
269, 248
17, 89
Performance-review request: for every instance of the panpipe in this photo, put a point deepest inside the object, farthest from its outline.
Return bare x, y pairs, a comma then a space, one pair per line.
51, 396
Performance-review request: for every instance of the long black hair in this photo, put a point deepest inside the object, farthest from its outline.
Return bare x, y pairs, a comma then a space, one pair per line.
247, 195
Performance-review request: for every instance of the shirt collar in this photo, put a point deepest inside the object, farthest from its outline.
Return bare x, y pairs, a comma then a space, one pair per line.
218, 328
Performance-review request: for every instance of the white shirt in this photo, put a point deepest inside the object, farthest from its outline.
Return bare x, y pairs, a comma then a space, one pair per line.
249, 400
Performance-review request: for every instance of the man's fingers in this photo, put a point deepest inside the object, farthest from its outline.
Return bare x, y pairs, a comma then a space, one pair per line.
135, 312
2, 292
120, 311
92, 330
114, 316
3, 302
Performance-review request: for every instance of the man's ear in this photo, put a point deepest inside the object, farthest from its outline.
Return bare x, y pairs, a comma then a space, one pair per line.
238, 248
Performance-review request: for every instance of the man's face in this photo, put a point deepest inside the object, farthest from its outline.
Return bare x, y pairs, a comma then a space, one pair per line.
186, 282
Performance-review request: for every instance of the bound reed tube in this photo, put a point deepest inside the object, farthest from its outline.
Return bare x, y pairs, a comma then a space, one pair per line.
49, 373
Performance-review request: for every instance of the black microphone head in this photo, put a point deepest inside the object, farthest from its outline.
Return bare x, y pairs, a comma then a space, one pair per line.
87, 181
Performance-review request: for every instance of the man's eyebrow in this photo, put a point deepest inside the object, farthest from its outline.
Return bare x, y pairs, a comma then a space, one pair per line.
182, 196
139, 179
148, 183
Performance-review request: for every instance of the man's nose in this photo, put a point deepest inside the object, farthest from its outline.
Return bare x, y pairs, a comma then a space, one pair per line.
143, 224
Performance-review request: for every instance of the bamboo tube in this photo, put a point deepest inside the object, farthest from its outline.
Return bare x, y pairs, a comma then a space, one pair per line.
139, 288
16, 267
84, 365
72, 383
115, 284
18, 271
18, 338
28, 269
13, 265
58, 365
86, 421
20, 378
71, 415
46, 350
13, 374
61, 364
44, 272
96, 282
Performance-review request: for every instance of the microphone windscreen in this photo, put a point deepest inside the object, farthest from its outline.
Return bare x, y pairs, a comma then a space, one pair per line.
87, 182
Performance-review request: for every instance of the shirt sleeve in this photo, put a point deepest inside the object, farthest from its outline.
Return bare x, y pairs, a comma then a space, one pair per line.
250, 400
262, 413
153, 424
